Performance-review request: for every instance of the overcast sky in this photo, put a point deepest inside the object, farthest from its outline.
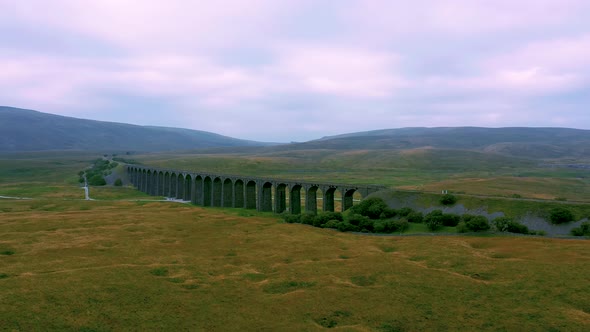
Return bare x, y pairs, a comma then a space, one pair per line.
282, 70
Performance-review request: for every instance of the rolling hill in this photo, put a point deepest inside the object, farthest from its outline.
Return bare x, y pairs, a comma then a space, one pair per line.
525, 142
27, 130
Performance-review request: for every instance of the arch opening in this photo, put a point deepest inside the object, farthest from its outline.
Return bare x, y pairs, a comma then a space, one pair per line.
217, 191
228, 193
239, 194
251, 195
207, 191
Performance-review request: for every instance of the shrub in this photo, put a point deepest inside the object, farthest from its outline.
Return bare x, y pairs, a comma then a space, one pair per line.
344, 226
371, 207
307, 218
505, 224
476, 223
448, 199
292, 218
118, 182
433, 220
97, 180
560, 215
388, 213
390, 226
331, 224
462, 227
400, 225
405, 211
415, 217
450, 219
583, 230
324, 217
356, 219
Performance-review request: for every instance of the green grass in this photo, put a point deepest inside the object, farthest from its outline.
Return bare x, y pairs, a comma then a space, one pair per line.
104, 265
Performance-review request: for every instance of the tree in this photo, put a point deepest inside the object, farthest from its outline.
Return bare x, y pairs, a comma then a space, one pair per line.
434, 220
448, 199
371, 207
506, 224
476, 223
97, 180
560, 215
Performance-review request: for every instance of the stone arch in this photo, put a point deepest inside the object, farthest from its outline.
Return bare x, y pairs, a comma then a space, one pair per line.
149, 184
239, 194
328, 199
207, 191
311, 199
228, 193
188, 188
160, 183
295, 199
166, 187
250, 195
173, 184
266, 197
180, 186
143, 180
198, 190
217, 191
280, 198
347, 198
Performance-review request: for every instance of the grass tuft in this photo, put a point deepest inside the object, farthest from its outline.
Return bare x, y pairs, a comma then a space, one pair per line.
286, 286
160, 272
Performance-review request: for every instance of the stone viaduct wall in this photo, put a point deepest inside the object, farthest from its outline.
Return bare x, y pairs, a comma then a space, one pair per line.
225, 190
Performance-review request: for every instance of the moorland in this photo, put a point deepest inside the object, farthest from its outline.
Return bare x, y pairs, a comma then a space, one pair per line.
128, 261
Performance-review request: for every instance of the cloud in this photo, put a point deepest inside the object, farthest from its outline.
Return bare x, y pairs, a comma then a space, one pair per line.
295, 70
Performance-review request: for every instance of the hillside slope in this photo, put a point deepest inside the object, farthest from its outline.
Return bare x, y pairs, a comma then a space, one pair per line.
27, 130
515, 141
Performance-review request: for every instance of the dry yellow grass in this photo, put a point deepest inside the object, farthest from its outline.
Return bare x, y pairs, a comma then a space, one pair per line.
100, 266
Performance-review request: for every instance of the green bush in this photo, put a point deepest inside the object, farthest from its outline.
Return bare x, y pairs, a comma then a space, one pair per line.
324, 217
388, 213
308, 218
405, 211
583, 230
415, 217
390, 226
344, 226
371, 207
475, 223
361, 222
332, 224
505, 224
118, 183
450, 219
448, 199
292, 218
97, 180
462, 227
434, 220
560, 215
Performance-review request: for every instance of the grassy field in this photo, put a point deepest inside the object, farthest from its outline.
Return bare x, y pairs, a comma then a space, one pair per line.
421, 169
106, 266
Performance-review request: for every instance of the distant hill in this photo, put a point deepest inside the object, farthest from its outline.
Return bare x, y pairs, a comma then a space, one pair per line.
27, 130
536, 143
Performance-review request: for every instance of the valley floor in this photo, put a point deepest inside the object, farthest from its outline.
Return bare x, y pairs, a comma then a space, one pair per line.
103, 266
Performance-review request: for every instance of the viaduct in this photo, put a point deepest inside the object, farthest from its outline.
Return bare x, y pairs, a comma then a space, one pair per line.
221, 190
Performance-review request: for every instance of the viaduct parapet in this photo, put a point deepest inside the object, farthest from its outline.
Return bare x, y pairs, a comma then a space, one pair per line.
224, 190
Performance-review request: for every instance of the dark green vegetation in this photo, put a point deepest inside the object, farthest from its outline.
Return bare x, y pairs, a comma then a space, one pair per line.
583, 230
112, 266
560, 215
373, 215
100, 168
26, 130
